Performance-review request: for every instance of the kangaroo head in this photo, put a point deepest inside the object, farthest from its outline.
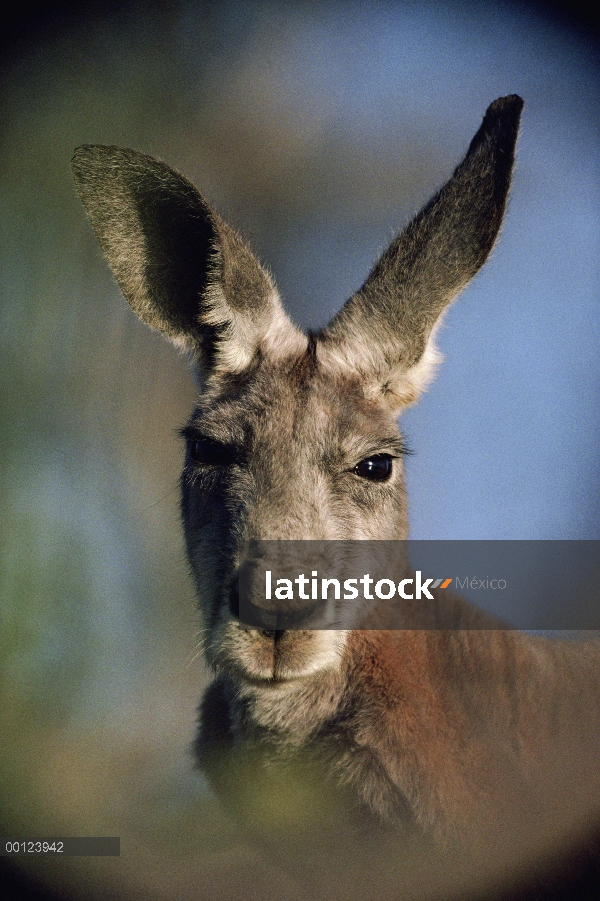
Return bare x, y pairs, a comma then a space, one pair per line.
293, 436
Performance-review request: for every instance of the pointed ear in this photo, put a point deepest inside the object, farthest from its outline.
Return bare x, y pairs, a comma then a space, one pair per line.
386, 330
182, 269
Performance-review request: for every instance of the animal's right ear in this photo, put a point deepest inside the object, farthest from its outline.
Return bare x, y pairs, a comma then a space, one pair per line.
182, 269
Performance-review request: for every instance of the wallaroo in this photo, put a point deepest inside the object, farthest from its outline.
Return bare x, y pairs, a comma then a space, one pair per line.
294, 437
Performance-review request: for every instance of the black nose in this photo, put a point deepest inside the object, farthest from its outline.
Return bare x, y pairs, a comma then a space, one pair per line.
251, 615
271, 622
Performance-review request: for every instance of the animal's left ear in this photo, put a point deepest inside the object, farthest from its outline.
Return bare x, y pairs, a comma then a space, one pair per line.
386, 330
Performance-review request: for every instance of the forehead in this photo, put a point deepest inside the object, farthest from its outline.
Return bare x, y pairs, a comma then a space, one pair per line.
295, 398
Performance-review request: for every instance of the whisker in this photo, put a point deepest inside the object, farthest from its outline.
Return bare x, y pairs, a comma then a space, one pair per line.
196, 655
160, 500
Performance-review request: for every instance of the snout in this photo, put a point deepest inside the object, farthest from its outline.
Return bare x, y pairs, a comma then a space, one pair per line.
270, 647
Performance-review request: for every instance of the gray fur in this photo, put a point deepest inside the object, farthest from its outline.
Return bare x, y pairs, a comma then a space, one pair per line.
421, 730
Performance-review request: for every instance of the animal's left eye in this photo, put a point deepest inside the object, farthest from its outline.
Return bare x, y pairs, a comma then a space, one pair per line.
377, 468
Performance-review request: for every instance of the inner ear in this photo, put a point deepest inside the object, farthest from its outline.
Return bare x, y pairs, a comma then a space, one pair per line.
181, 244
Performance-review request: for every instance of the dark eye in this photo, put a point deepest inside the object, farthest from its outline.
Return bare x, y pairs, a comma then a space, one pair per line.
377, 468
209, 453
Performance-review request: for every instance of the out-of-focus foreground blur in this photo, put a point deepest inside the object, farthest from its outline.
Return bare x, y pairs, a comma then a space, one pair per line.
317, 130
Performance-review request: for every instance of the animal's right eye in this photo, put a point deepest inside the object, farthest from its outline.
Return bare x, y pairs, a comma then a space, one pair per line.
209, 453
